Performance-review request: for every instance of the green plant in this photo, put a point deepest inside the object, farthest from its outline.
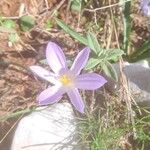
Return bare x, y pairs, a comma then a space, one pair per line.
75, 5
48, 24
27, 23
142, 53
100, 56
13, 37
142, 127
94, 133
10, 25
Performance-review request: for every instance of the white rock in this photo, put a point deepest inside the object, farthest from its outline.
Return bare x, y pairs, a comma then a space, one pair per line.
50, 128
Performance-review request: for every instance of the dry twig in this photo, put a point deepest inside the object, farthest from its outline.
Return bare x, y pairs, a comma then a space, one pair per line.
109, 6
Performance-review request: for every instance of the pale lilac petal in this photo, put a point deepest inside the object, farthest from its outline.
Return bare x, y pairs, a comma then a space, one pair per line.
43, 73
55, 57
51, 95
80, 61
89, 81
145, 6
76, 99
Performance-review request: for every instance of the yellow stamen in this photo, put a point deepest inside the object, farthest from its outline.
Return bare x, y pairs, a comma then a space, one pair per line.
65, 80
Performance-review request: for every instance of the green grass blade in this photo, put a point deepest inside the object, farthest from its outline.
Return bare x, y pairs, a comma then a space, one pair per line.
145, 55
70, 31
18, 113
142, 53
127, 24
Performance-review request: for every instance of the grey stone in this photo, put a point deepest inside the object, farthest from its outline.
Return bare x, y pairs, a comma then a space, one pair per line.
140, 96
138, 75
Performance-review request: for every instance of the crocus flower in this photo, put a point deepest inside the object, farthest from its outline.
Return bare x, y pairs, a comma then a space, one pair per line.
145, 6
66, 80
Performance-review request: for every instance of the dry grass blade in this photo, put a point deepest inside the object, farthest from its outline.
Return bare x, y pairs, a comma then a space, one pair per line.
12, 127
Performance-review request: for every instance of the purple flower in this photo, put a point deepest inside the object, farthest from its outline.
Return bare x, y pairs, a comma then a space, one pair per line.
65, 80
145, 6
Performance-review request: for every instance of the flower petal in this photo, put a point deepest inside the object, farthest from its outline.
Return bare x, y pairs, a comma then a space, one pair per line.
89, 81
145, 6
76, 99
43, 73
50, 95
80, 61
55, 57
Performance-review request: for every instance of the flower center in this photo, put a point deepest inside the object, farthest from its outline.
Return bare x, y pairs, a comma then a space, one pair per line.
65, 80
